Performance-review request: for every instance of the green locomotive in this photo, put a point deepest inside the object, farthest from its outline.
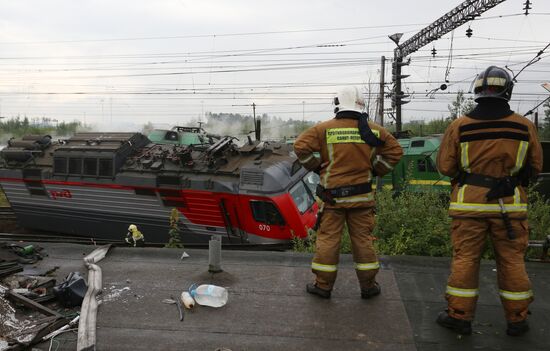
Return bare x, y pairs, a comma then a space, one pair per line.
417, 170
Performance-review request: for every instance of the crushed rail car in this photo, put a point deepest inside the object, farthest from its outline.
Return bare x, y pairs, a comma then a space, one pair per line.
96, 184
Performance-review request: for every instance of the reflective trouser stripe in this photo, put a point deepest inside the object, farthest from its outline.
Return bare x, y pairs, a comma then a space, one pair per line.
324, 267
516, 296
462, 292
367, 266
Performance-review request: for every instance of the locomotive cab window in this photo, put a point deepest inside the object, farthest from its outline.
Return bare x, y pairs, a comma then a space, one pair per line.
302, 197
425, 165
266, 212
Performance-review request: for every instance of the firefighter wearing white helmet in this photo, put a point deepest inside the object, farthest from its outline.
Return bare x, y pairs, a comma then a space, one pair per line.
491, 153
352, 150
134, 237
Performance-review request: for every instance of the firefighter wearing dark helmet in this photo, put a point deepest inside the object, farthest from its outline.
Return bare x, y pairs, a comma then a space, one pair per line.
352, 151
490, 153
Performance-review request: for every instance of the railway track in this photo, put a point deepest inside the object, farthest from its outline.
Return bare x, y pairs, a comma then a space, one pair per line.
71, 239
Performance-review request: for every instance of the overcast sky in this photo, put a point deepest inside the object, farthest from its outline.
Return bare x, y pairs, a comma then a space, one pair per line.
116, 62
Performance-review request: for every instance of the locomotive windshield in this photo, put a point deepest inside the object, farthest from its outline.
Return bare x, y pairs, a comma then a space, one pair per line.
302, 192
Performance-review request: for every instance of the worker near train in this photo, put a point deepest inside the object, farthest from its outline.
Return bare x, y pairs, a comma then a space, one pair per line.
491, 154
352, 152
134, 237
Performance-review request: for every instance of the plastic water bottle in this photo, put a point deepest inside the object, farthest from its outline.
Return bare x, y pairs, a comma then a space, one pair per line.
209, 295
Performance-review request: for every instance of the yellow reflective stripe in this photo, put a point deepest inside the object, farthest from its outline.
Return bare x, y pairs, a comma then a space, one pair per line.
380, 159
324, 267
516, 296
306, 160
455, 206
330, 150
522, 151
498, 81
376, 132
464, 157
462, 292
357, 198
517, 196
367, 266
460, 196
343, 135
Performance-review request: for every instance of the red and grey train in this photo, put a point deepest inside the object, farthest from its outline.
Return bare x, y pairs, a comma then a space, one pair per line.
97, 184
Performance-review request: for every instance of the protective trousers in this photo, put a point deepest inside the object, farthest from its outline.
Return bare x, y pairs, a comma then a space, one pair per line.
360, 223
468, 238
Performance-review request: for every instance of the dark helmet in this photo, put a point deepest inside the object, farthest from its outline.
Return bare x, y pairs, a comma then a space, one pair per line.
494, 82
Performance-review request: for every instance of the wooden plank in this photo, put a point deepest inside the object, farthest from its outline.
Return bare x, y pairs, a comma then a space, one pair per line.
32, 304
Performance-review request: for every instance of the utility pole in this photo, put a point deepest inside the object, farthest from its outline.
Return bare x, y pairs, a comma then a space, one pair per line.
461, 14
537, 120
256, 123
380, 119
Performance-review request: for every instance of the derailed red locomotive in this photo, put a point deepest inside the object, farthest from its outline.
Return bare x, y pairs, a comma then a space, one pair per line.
96, 184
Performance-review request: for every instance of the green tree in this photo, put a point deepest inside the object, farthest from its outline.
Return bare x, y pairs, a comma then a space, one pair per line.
461, 105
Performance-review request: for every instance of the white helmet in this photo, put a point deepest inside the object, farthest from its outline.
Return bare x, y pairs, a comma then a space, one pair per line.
132, 227
349, 99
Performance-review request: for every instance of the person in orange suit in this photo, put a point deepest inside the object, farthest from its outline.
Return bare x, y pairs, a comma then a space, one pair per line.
352, 151
491, 153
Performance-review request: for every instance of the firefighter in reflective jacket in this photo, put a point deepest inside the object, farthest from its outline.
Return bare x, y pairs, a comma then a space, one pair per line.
491, 153
134, 237
352, 151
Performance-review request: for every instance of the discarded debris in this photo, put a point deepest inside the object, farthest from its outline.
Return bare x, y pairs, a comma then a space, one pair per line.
184, 255
88, 312
171, 301
187, 300
71, 291
209, 295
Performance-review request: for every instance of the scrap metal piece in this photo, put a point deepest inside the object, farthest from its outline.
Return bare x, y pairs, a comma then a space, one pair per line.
88, 313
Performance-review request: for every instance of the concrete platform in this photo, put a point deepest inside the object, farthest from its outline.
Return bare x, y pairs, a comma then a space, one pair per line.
268, 308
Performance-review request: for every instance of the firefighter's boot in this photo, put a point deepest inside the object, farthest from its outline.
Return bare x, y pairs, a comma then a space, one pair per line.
371, 292
314, 290
517, 328
458, 325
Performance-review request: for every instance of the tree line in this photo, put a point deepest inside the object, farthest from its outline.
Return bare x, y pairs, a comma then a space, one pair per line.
17, 127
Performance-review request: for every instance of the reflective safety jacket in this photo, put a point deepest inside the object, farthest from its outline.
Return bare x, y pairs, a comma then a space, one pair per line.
345, 159
135, 234
491, 147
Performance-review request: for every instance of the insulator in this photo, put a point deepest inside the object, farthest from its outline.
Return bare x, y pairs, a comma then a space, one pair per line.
469, 32
434, 52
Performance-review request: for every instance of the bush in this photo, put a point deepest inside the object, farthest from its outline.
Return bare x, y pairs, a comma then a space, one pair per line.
407, 224
417, 224
412, 224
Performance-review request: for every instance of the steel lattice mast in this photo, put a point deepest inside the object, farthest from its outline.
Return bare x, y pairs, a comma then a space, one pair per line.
461, 14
